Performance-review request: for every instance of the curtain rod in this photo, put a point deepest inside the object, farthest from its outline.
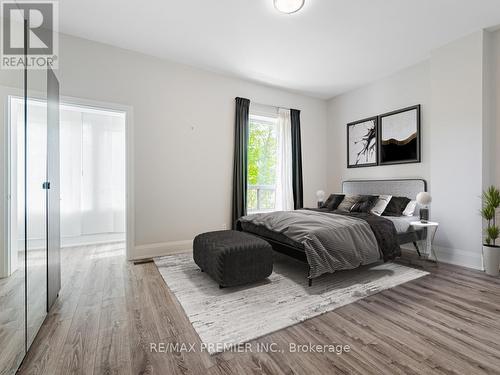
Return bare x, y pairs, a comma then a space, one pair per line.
272, 106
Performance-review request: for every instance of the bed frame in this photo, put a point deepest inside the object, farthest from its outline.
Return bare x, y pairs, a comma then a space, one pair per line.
409, 187
397, 187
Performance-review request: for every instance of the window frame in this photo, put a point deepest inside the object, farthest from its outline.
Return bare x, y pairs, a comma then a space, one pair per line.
269, 119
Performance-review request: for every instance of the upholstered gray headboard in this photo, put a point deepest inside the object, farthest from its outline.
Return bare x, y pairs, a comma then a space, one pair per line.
401, 188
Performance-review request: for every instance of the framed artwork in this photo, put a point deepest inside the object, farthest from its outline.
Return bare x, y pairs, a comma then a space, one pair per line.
362, 143
399, 136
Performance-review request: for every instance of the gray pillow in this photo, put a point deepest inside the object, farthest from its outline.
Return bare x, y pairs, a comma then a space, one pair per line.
364, 204
333, 201
348, 202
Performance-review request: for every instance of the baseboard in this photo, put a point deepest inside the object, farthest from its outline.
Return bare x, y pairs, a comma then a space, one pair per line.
92, 239
445, 255
84, 240
455, 256
161, 249
460, 257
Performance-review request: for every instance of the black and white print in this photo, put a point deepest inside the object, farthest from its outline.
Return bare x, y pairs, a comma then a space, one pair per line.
400, 136
362, 143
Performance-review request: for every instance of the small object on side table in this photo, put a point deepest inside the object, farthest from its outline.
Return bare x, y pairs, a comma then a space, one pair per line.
424, 215
424, 199
431, 228
320, 195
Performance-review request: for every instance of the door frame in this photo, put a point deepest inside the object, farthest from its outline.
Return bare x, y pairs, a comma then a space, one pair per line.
129, 160
6, 93
129, 163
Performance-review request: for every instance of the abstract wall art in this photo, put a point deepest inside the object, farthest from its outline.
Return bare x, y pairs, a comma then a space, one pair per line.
362, 143
399, 136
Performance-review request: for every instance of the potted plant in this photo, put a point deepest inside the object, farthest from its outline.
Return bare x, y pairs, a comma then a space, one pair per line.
491, 252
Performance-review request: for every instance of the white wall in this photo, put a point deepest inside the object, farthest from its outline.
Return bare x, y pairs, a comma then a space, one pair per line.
489, 108
496, 80
184, 120
455, 90
403, 89
457, 148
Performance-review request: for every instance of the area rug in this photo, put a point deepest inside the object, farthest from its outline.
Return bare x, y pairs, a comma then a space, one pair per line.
232, 316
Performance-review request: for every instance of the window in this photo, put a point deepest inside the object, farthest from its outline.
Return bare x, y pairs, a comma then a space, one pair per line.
262, 163
269, 186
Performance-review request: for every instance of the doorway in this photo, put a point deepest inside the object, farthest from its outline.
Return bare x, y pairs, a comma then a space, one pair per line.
92, 173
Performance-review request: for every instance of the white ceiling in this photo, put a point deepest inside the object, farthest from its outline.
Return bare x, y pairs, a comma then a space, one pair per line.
329, 47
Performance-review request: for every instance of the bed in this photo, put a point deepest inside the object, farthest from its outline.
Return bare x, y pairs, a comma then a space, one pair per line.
330, 241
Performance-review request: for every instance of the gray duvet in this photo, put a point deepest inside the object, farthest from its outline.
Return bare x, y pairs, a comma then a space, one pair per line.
331, 242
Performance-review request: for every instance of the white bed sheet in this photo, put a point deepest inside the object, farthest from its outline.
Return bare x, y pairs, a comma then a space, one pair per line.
402, 223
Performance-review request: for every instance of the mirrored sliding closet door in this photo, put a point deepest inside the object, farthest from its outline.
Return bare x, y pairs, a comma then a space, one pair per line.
36, 205
12, 245
30, 247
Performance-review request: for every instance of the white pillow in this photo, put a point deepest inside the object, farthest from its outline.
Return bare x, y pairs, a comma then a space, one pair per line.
382, 202
410, 208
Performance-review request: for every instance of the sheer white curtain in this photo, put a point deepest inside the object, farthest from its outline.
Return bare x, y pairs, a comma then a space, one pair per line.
71, 172
284, 192
92, 173
103, 185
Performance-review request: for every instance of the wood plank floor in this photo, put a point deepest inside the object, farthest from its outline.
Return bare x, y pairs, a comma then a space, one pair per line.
110, 310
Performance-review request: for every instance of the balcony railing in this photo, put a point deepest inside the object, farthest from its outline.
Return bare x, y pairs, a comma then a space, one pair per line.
261, 198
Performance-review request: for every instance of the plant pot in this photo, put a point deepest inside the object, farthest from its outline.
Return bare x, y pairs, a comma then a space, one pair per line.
491, 258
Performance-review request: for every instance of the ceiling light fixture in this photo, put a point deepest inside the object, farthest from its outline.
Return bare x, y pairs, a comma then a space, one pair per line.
289, 6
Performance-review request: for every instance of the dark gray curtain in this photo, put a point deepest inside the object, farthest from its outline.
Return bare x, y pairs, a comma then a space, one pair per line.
240, 160
298, 193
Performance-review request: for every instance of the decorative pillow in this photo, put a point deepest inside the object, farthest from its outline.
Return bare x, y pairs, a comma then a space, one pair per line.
396, 206
381, 204
348, 202
333, 201
410, 208
364, 204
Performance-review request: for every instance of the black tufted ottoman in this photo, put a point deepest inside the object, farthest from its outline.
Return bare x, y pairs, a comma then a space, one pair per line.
233, 258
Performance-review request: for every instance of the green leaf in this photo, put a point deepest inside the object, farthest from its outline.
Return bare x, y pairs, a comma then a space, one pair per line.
262, 154
491, 197
488, 212
491, 202
493, 232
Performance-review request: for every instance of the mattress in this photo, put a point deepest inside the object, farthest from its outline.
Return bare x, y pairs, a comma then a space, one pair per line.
333, 242
406, 234
272, 235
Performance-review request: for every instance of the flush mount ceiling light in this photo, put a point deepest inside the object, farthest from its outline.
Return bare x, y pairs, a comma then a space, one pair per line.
289, 6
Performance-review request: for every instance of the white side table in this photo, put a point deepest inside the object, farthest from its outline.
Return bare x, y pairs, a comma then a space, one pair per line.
432, 228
